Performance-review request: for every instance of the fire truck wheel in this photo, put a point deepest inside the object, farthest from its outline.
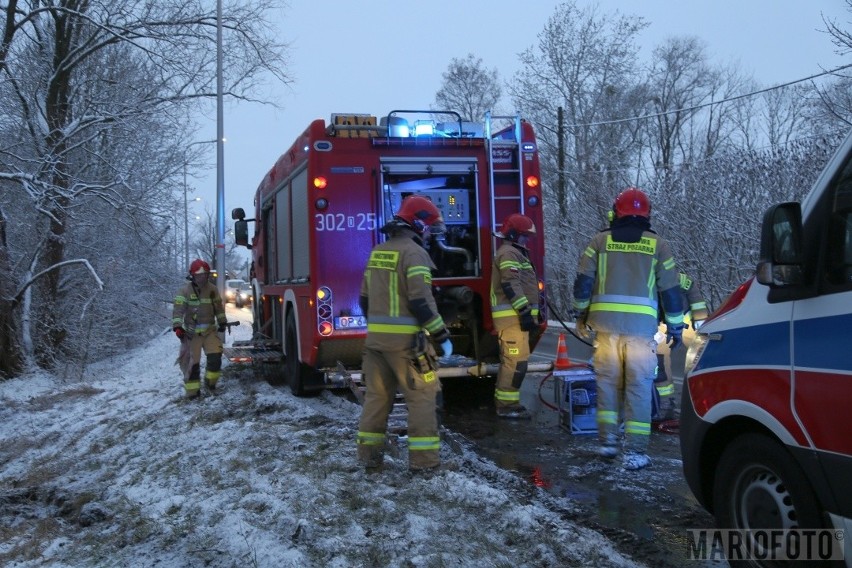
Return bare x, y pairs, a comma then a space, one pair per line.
759, 485
293, 368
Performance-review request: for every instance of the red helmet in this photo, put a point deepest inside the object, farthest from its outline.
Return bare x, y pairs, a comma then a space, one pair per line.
516, 225
419, 212
198, 266
632, 202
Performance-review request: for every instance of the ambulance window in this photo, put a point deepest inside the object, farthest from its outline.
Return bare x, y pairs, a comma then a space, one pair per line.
839, 240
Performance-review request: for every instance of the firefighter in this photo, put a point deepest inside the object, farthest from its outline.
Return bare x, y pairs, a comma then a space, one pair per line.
695, 306
396, 296
619, 277
515, 310
197, 316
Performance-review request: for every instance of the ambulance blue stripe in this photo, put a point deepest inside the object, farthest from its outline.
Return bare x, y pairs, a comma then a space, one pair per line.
824, 343
767, 344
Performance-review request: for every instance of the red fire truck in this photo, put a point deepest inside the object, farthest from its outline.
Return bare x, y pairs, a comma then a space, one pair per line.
318, 212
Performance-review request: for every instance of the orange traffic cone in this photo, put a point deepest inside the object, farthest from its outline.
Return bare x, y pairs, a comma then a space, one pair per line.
562, 361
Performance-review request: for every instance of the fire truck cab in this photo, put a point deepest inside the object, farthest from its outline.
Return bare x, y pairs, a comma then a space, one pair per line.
318, 212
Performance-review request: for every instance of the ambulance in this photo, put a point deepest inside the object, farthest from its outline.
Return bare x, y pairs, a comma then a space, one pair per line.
768, 386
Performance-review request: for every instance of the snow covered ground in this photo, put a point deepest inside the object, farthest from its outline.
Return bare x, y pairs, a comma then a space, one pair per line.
117, 469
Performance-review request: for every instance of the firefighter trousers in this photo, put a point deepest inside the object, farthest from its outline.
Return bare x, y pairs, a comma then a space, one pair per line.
625, 366
514, 356
384, 374
210, 342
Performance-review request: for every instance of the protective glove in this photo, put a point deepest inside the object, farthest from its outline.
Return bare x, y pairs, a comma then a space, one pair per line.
179, 331
527, 321
447, 347
674, 335
441, 336
697, 324
222, 327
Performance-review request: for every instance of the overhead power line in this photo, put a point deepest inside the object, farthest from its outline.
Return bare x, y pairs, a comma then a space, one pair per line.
711, 103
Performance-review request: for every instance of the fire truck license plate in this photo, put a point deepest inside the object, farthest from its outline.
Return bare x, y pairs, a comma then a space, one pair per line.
350, 322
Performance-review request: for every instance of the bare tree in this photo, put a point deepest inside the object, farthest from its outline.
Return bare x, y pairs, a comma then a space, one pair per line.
103, 94
469, 88
584, 62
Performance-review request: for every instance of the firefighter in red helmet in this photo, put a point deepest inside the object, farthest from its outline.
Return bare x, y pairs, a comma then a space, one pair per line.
515, 311
197, 316
396, 297
620, 274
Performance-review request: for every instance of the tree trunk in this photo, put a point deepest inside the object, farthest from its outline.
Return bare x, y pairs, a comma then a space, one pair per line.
11, 359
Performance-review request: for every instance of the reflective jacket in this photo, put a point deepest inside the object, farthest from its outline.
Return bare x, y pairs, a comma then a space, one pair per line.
617, 284
514, 285
396, 294
197, 310
693, 300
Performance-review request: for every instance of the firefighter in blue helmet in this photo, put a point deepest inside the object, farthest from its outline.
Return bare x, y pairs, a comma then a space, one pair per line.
515, 311
620, 274
396, 296
197, 315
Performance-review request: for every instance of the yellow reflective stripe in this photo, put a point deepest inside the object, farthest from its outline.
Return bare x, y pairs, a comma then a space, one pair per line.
435, 324
393, 296
424, 443
602, 273
665, 390
674, 320
641, 428
519, 302
392, 328
214, 375
652, 279
685, 281
192, 386
623, 308
370, 438
607, 416
669, 263
180, 298
504, 314
507, 396
590, 252
698, 306
509, 264
423, 271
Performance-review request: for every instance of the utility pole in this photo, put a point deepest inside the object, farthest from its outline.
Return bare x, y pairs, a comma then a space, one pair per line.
560, 159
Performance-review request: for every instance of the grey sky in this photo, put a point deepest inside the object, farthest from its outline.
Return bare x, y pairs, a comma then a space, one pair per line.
375, 56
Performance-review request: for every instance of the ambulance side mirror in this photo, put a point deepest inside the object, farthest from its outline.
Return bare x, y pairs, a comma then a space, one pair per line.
781, 246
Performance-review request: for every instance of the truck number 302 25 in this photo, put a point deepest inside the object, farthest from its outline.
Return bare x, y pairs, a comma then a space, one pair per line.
343, 222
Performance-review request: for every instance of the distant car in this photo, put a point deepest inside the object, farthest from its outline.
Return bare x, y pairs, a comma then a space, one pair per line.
231, 287
245, 295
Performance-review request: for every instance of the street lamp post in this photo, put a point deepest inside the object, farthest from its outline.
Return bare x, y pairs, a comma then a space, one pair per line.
220, 159
186, 219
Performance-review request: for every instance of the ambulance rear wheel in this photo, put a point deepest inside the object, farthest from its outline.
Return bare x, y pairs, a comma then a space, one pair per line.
293, 368
758, 485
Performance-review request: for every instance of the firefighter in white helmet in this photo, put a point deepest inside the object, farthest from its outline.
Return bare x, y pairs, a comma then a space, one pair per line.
396, 296
620, 274
197, 316
515, 311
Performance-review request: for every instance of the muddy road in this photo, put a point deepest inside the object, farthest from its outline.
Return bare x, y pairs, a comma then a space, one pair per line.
647, 512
